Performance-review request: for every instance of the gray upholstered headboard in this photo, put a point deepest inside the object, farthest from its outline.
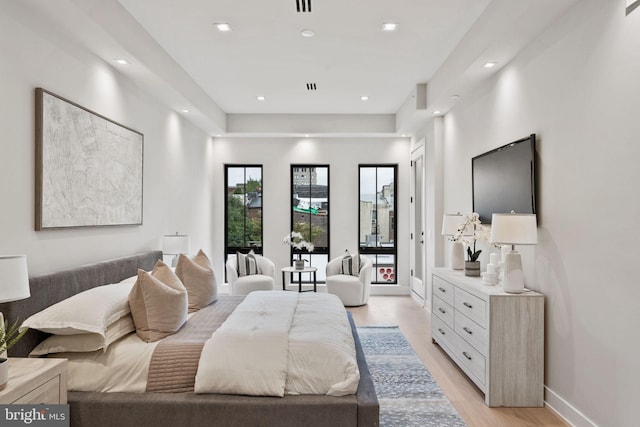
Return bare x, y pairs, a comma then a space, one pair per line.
51, 288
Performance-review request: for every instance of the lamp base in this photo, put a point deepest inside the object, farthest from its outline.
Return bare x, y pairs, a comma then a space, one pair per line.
457, 256
513, 279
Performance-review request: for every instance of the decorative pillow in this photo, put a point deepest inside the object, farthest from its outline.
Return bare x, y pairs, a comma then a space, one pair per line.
85, 342
91, 311
199, 278
158, 302
351, 264
247, 264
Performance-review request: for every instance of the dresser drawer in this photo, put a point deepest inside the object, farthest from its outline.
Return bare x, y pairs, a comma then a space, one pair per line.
471, 359
471, 332
48, 392
471, 306
444, 311
443, 334
443, 289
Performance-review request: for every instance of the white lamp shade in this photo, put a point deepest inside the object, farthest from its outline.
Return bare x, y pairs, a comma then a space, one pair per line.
14, 278
514, 229
451, 223
174, 244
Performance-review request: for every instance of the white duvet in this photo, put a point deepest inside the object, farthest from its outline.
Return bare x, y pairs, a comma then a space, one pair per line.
278, 343
315, 356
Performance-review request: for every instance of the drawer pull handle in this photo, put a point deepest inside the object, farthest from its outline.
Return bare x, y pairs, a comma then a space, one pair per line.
442, 289
466, 304
467, 330
441, 331
442, 310
466, 355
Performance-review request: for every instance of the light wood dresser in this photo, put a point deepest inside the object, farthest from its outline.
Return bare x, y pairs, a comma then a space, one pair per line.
36, 381
495, 337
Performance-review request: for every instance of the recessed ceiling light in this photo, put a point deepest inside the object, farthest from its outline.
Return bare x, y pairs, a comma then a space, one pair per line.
122, 61
435, 113
306, 135
184, 110
260, 98
454, 97
223, 26
307, 33
364, 98
389, 26
490, 64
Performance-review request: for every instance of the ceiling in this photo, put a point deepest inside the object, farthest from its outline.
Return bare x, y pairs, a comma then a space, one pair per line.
176, 53
349, 56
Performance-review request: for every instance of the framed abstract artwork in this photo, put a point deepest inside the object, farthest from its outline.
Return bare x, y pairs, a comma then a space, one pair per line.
88, 167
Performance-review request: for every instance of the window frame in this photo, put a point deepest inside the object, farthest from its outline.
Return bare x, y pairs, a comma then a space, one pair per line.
256, 249
374, 251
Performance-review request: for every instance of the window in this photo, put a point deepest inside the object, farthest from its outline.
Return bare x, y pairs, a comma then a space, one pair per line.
310, 213
243, 212
377, 212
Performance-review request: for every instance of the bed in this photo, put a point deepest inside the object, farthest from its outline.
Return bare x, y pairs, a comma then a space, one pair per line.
171, 409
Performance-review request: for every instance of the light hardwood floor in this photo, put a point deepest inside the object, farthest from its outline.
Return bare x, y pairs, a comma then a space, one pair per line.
413, 321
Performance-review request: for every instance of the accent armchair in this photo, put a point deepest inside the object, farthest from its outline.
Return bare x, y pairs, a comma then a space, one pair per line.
242, 285
352, 290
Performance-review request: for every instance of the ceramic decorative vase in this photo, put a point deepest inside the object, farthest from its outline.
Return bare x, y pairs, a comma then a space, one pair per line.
299, 264
4, 373
472, 268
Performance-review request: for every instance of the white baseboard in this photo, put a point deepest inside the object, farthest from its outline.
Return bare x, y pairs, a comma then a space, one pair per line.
565, 410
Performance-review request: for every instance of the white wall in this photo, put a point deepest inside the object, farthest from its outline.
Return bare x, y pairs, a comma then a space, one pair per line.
343, 156
176, 155
577, 88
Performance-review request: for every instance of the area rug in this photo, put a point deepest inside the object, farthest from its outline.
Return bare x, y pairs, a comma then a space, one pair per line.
407, 393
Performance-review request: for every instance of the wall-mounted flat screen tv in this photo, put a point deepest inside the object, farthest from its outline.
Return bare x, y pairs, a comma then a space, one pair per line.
503, 180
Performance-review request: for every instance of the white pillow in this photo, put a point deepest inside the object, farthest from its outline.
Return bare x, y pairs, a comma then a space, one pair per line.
85, 342
351, 265
247, 265
91, 311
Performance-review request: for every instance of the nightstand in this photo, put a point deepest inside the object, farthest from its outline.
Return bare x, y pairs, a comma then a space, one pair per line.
36, 381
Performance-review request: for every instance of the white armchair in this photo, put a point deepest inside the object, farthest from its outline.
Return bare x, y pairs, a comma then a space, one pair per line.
254, 282
352, 290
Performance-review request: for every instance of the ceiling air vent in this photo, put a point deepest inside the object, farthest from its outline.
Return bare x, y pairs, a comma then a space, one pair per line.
303, 5
311, 86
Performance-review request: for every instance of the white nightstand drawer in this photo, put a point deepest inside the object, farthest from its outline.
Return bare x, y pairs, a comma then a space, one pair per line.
471, 306
444, 311
471, 332
48, 392
443, 290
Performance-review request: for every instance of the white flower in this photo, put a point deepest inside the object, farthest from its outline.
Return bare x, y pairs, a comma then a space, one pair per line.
296, 240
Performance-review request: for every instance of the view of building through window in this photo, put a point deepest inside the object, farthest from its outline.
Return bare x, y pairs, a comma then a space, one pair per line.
310, 213
377, 211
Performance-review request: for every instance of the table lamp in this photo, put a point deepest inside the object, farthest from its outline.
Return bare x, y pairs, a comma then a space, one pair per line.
451, 224
175, 244
513, 229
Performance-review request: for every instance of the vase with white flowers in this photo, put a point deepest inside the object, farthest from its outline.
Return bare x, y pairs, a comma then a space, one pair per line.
469, 233
297, 241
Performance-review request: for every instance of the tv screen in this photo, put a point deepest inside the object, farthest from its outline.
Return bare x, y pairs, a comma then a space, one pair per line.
503, 180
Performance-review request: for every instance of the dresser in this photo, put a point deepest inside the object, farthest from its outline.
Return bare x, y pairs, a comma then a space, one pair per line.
36, 381
495, 337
